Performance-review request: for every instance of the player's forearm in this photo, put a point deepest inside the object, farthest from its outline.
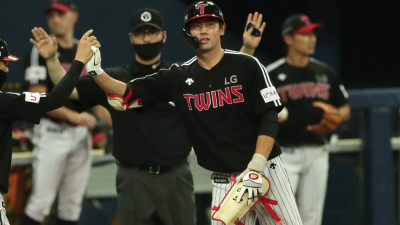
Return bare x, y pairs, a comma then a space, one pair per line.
264, 145
247, 50
110, 85
102, 114
344, 112
57, 72
62, 113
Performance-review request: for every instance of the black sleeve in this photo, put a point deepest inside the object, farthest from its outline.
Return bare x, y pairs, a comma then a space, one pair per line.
153, 88
60, 93
269, 123
21, 106
90, 94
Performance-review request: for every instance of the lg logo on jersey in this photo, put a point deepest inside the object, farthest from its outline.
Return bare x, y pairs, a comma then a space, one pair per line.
218, 98
232, 80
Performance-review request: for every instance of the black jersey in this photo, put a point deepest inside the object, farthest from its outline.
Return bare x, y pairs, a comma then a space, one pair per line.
151, 135
15, 106
36, 71
298, 89
222, 108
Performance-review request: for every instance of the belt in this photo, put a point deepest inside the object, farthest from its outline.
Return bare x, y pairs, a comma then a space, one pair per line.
153, 169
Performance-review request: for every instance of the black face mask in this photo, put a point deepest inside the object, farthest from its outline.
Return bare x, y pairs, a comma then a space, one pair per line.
148, 51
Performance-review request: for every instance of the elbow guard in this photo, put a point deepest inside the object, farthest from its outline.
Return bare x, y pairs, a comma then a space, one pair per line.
122, 103
119, 103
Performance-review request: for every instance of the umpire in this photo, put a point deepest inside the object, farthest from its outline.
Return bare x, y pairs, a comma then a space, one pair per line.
154, 182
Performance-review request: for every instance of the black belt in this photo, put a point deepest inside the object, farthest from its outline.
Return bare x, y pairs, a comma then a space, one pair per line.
154, 169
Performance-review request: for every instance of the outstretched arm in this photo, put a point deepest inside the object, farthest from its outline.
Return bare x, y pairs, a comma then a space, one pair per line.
63, 89
109, 85
47, 48
252, 33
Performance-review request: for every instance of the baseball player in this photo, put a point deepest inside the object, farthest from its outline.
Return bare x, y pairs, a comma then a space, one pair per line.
30, 106
62, 140
151, 145
315, 104
229, 107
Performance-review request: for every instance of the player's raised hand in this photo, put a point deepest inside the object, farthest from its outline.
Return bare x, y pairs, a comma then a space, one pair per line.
46, 45
252, 32
84, 51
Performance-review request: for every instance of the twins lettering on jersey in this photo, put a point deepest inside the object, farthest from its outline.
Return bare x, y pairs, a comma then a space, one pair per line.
216, 98
304, 90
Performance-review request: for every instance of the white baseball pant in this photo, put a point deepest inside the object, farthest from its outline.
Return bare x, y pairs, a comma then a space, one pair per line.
280, 190
3, 215
62, 164
307, 168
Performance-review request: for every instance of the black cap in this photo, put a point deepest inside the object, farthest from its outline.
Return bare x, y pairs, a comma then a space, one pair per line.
60, 5
4, 54
149, 17
298, 24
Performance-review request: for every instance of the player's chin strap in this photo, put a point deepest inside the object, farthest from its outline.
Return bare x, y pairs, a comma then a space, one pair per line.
266, 202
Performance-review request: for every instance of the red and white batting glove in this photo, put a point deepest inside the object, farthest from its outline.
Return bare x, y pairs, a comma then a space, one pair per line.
93, 67
252, 178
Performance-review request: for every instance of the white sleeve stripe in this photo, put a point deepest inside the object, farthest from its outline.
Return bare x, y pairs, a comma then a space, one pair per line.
190, 61
275, 64
265, 74
344, 92
34, 57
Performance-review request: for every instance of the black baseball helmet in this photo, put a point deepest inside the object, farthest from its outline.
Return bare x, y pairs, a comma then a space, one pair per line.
4, 55
200, 9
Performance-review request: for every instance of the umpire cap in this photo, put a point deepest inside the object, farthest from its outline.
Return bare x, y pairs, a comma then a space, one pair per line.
299, 24
149, 17
4, 54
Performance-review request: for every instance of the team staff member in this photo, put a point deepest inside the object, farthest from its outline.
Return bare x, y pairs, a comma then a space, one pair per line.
31, 106
308, 88
62, 140
154, 182
229, 107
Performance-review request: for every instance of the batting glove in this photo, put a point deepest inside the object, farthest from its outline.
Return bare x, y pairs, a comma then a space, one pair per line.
252, 178
93, 67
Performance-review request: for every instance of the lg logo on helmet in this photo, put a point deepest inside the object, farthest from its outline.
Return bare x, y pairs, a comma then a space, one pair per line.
201, 7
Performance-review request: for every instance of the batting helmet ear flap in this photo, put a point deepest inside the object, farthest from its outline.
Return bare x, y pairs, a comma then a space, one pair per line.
190, 40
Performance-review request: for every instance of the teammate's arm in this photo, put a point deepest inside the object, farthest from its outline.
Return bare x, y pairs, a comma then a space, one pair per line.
47, 48
252, 33
56, 97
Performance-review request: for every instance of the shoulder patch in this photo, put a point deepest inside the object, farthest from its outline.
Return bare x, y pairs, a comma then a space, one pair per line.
269, 94
33, 97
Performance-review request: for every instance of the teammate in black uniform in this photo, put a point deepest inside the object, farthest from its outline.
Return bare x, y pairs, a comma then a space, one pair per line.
229, 107
31, 106
306, 86
150, 144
